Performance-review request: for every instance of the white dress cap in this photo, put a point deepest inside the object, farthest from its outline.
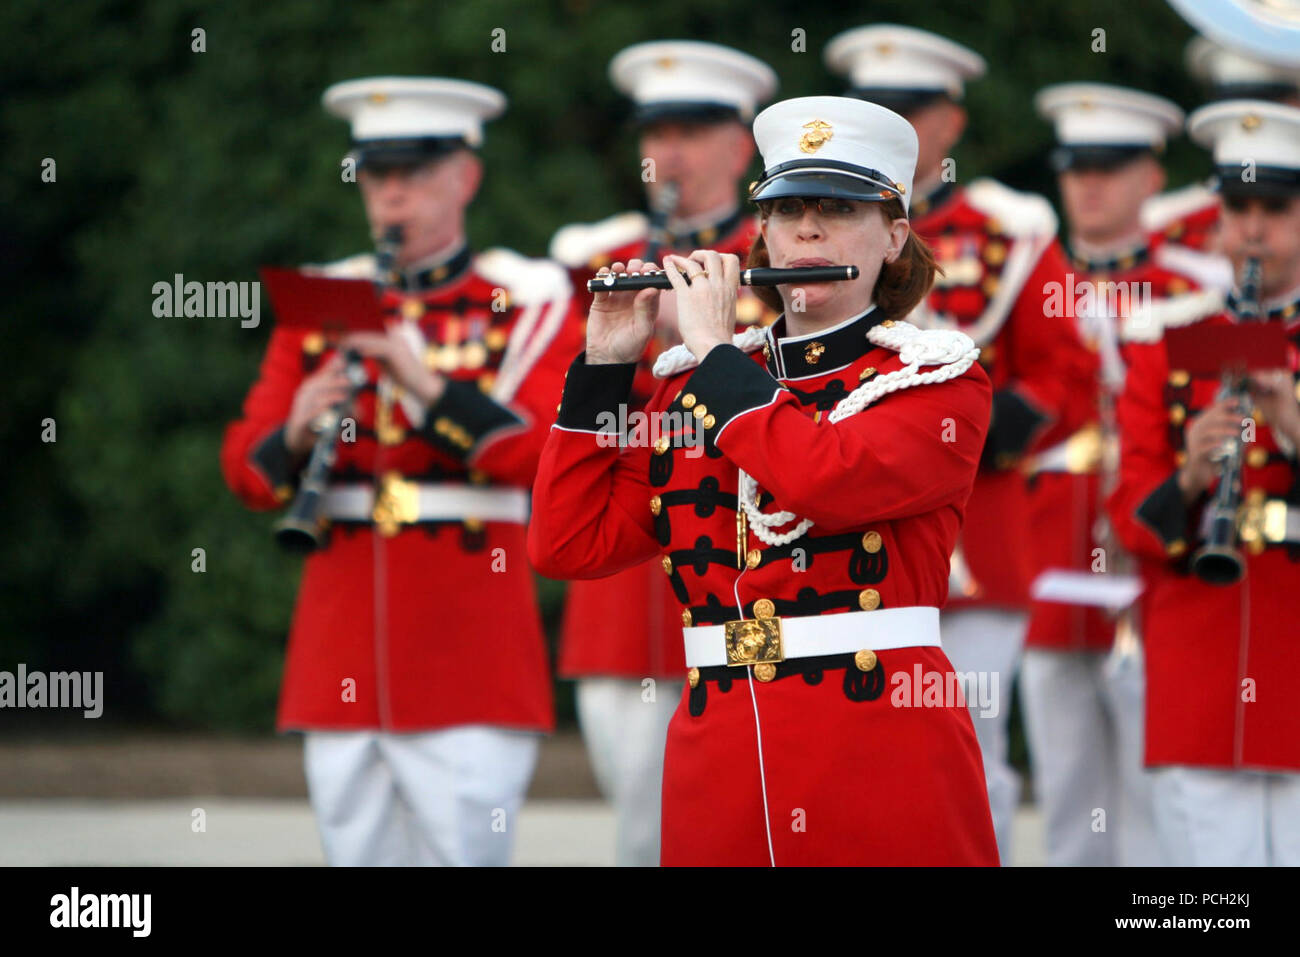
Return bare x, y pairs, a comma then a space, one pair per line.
393, 108
1098, 114
681, 78
1233, 73
892, 57
1255, 136
834, 146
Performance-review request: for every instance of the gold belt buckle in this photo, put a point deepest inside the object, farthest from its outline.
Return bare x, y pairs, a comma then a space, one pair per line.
397, 503
753, 641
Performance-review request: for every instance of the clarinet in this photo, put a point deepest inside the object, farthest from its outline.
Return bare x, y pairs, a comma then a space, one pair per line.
304, 528
1218, 561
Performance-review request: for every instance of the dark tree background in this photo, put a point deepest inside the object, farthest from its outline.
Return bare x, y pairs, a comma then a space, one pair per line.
209, 164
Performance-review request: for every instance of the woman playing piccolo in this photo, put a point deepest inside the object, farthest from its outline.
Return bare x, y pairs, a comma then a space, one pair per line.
804, 491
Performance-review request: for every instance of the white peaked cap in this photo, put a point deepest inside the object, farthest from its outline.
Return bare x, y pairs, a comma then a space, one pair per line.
888, 56
1257, 131
834, 146
678, 76
397, 108
1087, 114
1218, 65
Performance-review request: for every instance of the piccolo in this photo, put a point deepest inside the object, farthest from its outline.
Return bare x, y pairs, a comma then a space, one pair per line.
625, 282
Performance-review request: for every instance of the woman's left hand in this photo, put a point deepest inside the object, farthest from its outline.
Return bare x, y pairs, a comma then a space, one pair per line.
1274, 393
706, 304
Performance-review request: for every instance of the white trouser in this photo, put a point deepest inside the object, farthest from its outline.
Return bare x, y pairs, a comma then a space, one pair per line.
987, 642
448, 797
1083, 718
1217, 818
625, 727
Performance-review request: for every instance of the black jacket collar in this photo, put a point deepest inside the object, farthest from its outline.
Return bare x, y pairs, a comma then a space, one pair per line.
798, 357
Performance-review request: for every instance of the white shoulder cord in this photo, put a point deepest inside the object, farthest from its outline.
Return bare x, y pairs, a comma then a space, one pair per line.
949, 349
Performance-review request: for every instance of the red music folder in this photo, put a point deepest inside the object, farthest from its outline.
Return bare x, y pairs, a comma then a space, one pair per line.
1210, 350
303, 301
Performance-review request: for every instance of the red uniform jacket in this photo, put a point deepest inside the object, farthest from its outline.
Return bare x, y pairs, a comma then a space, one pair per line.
1222, 662
887, 784
629, 625
1001, 262
414, 627
1066, 482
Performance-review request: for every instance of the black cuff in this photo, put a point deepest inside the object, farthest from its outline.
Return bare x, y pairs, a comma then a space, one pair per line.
273, 459
726, 384
1013, 426
463, 417
593, 393
1165, 513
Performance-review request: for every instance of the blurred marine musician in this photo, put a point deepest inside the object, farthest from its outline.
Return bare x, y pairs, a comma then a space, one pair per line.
1081, 681
693, 103
1222, 660
416, 663
1001, 260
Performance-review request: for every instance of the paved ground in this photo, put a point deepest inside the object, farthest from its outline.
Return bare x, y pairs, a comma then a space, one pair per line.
281, 832
129, 799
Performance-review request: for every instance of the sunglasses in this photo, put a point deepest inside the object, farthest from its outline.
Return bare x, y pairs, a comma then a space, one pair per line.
793, 207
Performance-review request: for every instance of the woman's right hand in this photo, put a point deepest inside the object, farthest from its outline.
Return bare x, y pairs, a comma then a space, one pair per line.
620, 324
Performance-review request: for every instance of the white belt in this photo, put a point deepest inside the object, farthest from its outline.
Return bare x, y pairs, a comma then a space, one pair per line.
811, 635
427, 502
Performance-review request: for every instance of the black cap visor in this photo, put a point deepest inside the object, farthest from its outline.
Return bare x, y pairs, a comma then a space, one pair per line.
1262, 181
1099, 156
381, 155
817, 184
673, 111
901, 100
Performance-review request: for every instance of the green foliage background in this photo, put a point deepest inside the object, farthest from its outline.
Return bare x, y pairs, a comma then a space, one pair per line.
209, 164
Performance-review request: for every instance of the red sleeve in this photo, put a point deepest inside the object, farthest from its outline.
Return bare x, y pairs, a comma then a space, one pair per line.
591, 502
1053, 374
1147, 507
911, 452
509, 449
254, 460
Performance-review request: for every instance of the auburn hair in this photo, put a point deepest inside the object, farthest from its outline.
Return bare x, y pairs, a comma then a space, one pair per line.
901, 285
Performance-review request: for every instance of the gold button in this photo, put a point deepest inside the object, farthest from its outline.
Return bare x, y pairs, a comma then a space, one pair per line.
767, 352
693, 677
869, 599
1257, 458
1177, 414
765, 671
764, 608
313, 344
888, 323
688, 400
753, 558
866, 373
1176, 548
668, 565
686, 619
656, 505
812, 353
995, 253
473, 525
1178, 286
496, 340
283, 493
871, 542
990, 286
700, 411
865, 660
1180, 458
412, 309
1179, 378
661, 445
709, 421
